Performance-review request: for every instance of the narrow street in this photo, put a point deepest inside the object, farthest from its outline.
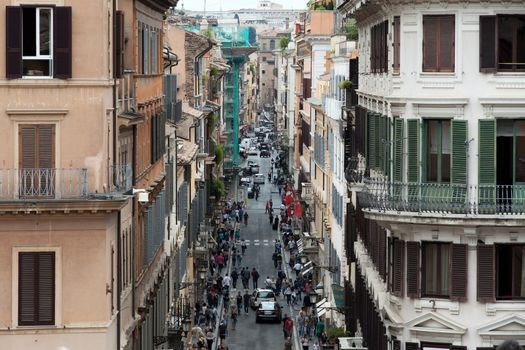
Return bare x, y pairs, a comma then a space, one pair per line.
260, 238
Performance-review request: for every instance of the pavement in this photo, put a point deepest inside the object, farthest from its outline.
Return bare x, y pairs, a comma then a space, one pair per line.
260, 240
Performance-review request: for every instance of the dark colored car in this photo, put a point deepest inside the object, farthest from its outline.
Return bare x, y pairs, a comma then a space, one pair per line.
268, 311
265, 154
264, 146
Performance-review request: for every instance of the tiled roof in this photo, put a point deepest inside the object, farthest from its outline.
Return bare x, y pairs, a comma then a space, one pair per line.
186, 151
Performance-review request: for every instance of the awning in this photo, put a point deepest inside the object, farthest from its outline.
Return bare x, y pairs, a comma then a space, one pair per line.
339, 296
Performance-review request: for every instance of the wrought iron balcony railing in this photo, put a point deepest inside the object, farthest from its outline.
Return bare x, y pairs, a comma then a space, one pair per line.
441, 198
43, 183
356, 170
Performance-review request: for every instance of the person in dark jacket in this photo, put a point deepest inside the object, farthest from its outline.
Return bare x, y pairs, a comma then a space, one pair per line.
509, 345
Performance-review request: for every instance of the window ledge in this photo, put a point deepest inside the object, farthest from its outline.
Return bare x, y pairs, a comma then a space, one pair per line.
504, 305
436, 303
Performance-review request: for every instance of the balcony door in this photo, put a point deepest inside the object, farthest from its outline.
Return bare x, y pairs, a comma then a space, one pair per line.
36, 161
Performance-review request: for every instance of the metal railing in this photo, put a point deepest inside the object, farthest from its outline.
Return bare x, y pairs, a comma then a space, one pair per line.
43, 183
121, 177
441, 198
356, 170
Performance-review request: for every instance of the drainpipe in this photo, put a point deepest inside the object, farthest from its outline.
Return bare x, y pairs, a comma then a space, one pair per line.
114, 40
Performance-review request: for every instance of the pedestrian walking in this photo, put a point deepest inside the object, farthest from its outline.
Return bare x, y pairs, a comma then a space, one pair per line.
255, 277
233, 315
274, 258
287, 326
222, 346
245, 218
209, 338
238, 257
243, 246
223, 330
288, 295
235, 277
239, 302
319, 330
305, 342
246, 301
267, 207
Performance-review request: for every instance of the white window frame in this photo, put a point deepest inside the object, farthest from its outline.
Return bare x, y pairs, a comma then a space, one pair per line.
38, 56
58, 285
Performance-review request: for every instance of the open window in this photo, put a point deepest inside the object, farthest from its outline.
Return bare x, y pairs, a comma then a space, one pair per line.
510, 271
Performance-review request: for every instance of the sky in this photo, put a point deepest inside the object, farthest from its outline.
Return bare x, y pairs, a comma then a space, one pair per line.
215, 5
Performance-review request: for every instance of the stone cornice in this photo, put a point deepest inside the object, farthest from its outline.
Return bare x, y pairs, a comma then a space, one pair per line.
37, 207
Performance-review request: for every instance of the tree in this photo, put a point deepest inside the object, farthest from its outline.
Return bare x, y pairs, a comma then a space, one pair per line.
283, 43
351, 30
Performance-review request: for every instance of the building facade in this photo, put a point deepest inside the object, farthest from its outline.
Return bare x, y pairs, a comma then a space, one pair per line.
435, 174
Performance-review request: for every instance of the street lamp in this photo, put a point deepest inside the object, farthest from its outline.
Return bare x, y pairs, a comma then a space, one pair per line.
202, 273
304, 259
313, 296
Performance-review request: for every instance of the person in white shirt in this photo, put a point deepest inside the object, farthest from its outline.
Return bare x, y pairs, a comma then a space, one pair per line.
297, 268
226, 281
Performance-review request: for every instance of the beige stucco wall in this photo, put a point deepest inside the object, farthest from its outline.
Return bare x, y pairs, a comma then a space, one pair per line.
175, 38
82, 244
80, 107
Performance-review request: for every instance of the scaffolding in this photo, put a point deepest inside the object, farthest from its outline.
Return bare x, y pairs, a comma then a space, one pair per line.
235, 47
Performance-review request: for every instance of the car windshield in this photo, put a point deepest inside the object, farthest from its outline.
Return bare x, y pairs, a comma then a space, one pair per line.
265, 294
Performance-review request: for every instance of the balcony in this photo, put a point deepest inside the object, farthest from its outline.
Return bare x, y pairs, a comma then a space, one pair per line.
122, 177
440, 199
307, 193
355, 172
43, 183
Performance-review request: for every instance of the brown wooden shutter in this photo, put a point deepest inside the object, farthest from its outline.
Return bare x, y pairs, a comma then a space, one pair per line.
459, 272
384, 47
485, 265
396, 43
62, 42
27, 151
411, 346
119, 45
429, 43
13, 32
458, 347
413, 263
46, 146
399, 267
36, 288
487, 44
446, 33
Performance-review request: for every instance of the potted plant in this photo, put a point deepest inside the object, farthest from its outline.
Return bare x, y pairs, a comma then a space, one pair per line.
333, 334
345, 84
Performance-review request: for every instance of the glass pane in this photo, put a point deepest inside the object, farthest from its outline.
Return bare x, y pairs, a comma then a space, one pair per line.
432, 150
445, 151
29, 31
505, 34
45, 31
520, 151
36, 68
431, 268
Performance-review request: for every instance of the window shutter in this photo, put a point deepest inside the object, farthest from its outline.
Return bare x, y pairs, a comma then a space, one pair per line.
487, 44
411, 346
379, 138
46, 145
13, 30
459, 152
485, 267
46, 288
399, 267
62, 27
36, 288
459, 272
397, 345
413, 134
487, 152
119, 44
429, 43
385, 47
27, 157
458, 347
397, 43
398, 149
413, 262
371, 156
446, 43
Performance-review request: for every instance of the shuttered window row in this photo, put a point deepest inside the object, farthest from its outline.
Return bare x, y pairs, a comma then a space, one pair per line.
379, 48
375, 242
28, 48
182, 203
118, 55
337, 205
154, 226
158, 137
36, 288
319, 150
378, 142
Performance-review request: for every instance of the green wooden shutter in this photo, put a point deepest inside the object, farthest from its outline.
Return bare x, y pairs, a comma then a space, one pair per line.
379, 144
459, 152
487, 165
398, 149
371, 117
413, 134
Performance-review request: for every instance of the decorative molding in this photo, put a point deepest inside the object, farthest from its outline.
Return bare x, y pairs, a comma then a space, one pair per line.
23, 114
510, 325
435, 324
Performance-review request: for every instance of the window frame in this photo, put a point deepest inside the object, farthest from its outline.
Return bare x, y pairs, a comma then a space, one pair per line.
38, 56
514, 64
438, 69
424, 293
514, 147
426, 153
58, 285
497, 296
